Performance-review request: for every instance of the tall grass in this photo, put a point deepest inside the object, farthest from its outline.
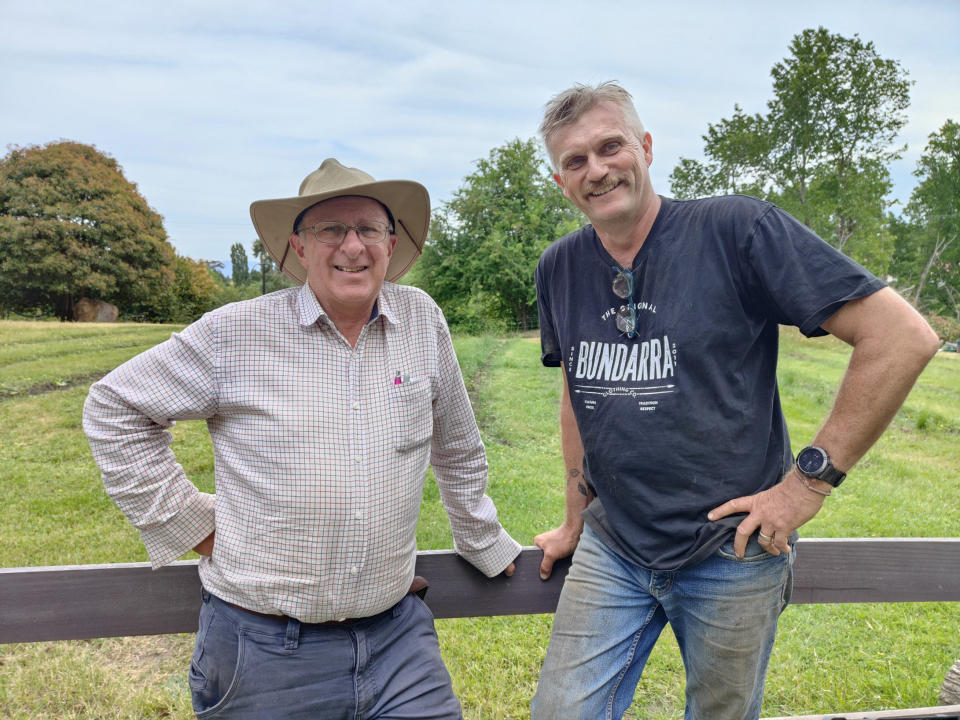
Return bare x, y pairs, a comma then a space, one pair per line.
827, 658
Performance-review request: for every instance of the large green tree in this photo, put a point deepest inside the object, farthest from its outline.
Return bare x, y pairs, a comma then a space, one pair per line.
927, 262
823, 148
72, 226
484, 243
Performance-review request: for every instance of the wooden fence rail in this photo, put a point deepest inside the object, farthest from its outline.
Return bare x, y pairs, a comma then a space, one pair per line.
88, 601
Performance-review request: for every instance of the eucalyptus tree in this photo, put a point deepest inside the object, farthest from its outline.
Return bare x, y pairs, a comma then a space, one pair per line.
823, 147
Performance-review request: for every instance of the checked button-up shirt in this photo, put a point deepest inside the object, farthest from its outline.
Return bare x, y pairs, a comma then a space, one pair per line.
320, 449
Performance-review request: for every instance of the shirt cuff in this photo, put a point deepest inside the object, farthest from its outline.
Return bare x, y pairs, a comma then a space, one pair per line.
165, 543
493, 559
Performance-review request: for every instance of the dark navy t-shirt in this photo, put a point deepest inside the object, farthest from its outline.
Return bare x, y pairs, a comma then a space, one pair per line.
685, 415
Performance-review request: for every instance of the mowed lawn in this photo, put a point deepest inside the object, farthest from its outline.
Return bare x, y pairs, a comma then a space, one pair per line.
828, 658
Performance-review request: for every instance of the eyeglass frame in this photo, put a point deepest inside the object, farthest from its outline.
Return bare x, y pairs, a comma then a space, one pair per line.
621, 318
388, 230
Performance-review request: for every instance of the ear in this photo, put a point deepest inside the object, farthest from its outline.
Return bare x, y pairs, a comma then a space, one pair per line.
392, 245
297, 244
647, 146
559, 181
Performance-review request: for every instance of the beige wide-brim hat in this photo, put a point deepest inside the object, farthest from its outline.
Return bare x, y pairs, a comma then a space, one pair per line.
408, 201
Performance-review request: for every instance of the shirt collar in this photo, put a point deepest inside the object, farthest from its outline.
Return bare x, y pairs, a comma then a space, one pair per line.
308, 307
309, 310
383, 304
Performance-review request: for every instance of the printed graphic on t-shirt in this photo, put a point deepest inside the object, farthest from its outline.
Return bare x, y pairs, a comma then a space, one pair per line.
640, 368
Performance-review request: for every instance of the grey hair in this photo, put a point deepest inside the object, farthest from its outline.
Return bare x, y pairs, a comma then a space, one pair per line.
570, 105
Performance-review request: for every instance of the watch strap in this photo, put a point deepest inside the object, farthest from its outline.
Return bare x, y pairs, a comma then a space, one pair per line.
831, 475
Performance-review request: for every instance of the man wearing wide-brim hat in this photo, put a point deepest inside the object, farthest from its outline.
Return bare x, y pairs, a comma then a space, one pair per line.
325, 404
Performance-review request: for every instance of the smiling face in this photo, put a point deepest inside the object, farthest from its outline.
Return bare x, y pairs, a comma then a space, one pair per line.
603, 167
346, 278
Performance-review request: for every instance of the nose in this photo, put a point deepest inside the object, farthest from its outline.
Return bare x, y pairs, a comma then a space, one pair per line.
351, 243
596, 168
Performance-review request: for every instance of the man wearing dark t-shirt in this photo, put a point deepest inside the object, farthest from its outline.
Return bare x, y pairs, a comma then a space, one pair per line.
683, 497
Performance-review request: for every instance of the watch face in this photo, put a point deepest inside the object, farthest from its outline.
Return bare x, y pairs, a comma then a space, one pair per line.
811, 461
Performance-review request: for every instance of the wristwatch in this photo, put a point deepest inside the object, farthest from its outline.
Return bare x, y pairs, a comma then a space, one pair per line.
813, 462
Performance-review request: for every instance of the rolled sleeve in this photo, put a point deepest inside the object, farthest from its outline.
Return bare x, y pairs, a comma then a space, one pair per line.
493, 559
182, 532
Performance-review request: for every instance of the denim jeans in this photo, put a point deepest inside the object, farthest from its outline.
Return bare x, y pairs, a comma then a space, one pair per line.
386, 666
723, 612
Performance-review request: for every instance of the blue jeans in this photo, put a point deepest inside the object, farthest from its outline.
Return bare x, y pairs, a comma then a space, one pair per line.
723, 612
386, 666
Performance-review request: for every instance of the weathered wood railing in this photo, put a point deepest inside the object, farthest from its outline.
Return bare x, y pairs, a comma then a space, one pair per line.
87, 601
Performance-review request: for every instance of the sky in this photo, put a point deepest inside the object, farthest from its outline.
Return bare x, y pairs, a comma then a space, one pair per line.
209, 105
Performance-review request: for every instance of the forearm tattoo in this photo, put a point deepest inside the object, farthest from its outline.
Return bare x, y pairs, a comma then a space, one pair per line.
573, 474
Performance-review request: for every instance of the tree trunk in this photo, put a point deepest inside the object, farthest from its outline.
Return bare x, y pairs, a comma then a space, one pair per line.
844, 232
522, 318
63, 306
953, 299
938, 247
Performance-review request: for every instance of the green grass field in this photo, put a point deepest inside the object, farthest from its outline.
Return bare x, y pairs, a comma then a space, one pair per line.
828, 658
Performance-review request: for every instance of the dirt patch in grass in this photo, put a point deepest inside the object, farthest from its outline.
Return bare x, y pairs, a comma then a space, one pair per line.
140, 658
46, 387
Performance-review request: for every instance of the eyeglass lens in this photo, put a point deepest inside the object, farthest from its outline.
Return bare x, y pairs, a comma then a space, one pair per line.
623, 284
333, 233
627, 320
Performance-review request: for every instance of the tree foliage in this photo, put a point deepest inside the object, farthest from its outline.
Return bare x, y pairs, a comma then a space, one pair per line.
195, 290
268, 277
259, 281
239, 264
927, 260
738, 150
823, 148
484, 243
72, 226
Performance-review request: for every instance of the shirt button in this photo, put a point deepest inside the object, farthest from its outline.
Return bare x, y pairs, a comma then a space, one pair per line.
358, 459
358, 515
354, 570
356, 406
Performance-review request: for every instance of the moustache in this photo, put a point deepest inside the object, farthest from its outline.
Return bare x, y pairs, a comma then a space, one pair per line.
605, 185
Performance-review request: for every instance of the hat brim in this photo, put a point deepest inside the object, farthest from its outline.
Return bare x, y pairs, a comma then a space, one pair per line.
408, 201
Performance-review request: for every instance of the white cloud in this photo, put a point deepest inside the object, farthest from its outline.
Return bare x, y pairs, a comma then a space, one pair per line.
211, 105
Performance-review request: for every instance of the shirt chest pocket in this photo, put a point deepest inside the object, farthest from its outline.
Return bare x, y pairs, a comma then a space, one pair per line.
412, 411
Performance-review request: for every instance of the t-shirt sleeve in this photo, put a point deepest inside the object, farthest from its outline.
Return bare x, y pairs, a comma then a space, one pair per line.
550, 354
797, 277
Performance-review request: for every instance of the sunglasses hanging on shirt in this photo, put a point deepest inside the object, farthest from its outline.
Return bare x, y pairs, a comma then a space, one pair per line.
626, 314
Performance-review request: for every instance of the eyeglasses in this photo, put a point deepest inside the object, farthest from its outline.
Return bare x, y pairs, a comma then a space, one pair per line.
627, 314
331, 232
